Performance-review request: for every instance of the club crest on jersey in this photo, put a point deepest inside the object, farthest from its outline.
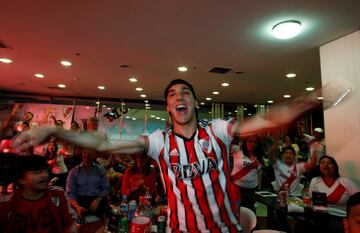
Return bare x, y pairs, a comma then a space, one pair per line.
174, 152
189, 171
205, 144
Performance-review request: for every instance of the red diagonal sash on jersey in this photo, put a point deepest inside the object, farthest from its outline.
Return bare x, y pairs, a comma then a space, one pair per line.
290, 180
244, 171
335, 196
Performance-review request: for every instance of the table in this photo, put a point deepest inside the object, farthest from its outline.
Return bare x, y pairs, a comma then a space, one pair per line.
316, 221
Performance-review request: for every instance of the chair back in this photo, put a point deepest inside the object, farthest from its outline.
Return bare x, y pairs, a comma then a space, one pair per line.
247, 219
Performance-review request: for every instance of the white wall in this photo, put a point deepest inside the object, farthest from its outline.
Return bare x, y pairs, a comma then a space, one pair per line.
341, 59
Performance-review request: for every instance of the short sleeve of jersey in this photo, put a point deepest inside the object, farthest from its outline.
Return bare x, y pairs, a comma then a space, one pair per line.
224, 129
301, 168
156, 143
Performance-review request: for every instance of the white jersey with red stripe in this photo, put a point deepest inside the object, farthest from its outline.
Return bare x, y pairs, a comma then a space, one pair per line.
282, 174
196, 175
245, 171
317, 184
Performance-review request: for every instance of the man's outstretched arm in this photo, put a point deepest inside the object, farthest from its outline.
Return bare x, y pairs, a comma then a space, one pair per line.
93, 141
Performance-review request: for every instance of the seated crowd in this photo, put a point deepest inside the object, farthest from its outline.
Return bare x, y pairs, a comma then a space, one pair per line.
93, 181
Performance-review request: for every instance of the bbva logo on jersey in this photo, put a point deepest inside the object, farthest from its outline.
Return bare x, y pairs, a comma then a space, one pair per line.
189, 171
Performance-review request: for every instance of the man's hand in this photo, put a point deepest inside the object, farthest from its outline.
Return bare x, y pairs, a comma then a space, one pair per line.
81, 211
94, 205
32, 137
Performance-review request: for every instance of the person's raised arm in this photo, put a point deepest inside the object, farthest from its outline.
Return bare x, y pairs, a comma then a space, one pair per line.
93, 141
314, 158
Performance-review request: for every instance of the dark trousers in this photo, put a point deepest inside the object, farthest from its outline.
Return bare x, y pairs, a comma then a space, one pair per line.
86, 201
245, 200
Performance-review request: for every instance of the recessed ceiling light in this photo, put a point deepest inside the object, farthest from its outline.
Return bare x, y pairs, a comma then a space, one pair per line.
291, 75
162, 119
286, 29
209, 112
310, 88
97, 102
255, 105
245, 108
230, 112
146, 101
38, 75
104, 106
270, 101
249, 114
101, 87
139, 89
157, 118
215, 92
202, 103
152, 116
208, 98
320, 98
143, 96
235, 111
225, 84
182, 68
127, 117
65, 63
148, 107
134, 119
133, 80
61, 85
108, 108
6, 60
287, 96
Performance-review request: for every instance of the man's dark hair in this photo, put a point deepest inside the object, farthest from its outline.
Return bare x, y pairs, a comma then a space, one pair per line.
289, 148
31, 163
352, 201
179, 81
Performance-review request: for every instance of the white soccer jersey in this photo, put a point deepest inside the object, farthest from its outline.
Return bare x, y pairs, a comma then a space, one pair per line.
196, 175
245, 171
338, 193
291, 175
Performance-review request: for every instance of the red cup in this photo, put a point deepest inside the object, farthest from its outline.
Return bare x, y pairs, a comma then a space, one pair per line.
140, 224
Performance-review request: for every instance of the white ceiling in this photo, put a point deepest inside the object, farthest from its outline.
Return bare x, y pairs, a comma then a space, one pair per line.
154, 37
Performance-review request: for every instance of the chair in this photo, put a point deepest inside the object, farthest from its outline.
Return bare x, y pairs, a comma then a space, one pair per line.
247, 219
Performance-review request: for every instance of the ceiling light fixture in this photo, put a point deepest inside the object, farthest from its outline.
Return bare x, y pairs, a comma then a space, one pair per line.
143, 96
208, 98
134, 119
6, 60
287, 96
101, 87
65, 63
216, 92
152, 116
202, 103
38, 75
182, 68
291, 75
133, 80
286, 29
310, 88
157, 118
270, 101
139, 89
225, 84
320, 98
61, 85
